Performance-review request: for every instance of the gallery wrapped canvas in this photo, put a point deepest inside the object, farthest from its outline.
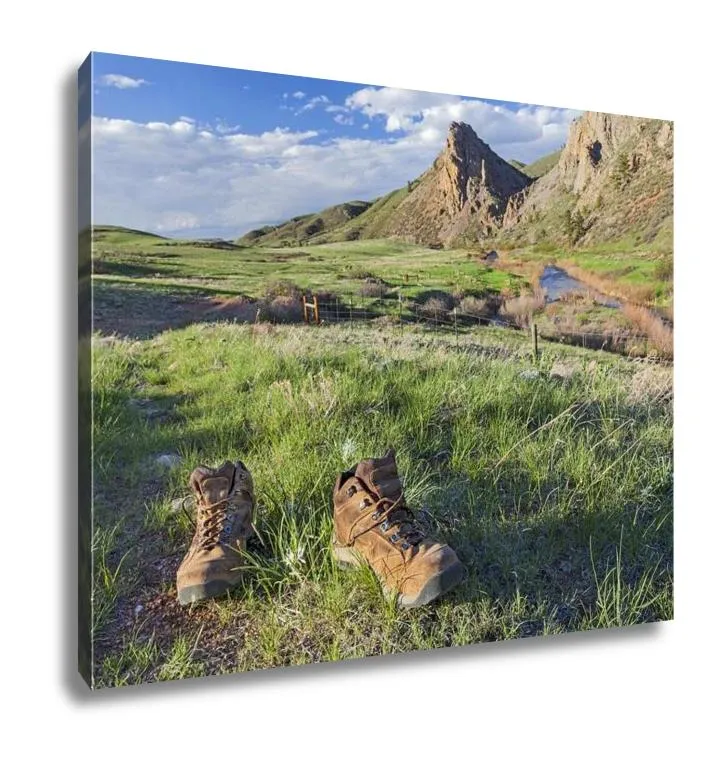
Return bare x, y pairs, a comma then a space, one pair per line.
363, 370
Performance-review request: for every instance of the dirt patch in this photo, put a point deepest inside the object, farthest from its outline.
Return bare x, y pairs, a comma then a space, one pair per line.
138, 312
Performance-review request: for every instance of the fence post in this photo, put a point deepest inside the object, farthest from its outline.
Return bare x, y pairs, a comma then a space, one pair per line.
336, 306
399, 310
316, 311
455, 322
304, 308
534, 340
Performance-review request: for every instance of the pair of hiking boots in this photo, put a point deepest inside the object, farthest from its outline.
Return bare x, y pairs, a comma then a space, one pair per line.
372, 523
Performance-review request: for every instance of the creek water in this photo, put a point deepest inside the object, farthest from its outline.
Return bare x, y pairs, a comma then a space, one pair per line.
557, 283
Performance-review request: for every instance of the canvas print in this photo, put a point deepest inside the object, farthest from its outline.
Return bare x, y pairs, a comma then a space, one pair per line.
363, 370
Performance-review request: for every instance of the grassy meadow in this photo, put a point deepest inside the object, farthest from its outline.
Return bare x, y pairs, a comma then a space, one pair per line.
122, 256
552, 481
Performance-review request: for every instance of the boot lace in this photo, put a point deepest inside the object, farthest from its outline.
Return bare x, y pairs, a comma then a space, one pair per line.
396, 515
215, 523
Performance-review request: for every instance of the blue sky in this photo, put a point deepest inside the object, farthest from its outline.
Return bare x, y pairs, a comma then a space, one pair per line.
202, 151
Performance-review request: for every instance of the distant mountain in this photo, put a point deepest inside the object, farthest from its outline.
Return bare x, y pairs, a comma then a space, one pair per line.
542, 165
612, 180
302, 228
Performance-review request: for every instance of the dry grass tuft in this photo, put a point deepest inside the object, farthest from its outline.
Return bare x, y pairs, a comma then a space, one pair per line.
521, 309
660, 335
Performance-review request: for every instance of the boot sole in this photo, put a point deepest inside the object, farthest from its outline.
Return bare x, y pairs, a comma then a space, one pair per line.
210, 589
434, 587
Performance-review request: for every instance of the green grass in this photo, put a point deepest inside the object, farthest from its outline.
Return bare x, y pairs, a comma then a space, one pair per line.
542, 165
120, 257
557, 495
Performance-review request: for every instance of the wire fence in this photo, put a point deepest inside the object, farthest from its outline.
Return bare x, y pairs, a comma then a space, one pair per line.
402, 313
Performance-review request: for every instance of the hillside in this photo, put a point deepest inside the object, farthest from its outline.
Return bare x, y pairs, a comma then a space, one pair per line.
613, 180
303, 228
542, 165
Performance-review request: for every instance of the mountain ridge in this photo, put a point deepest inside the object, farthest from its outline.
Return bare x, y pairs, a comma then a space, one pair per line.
613, 178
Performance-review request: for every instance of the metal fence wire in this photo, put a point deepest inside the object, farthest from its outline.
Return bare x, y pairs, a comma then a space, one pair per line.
405, 313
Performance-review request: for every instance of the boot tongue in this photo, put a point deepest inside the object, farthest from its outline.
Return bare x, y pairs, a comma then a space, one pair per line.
380, 476
212, 485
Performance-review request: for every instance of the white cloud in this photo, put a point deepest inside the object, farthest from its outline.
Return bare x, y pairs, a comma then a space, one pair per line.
526, 133
186, 177
336, 108
121, 81
223, 127
312, 103
343, 119
299, 94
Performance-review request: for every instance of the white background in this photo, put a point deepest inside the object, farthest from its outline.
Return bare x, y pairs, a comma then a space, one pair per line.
649, 695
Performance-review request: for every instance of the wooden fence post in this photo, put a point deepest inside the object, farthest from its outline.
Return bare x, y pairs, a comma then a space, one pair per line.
534, 339
316, 311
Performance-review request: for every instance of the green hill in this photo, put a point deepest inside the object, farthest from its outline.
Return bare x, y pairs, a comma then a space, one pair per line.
302, 229
542, 165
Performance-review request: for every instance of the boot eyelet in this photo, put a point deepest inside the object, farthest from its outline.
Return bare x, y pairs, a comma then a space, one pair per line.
227, 529
375, 515
405, 545
364, 503
351, 491
385, 525
395, 537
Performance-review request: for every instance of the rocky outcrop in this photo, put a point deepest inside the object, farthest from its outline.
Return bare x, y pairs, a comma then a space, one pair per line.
466, 191
615, 172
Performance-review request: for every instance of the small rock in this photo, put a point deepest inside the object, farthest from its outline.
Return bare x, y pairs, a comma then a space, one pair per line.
529, 375
168, 460
177, 505
138, 609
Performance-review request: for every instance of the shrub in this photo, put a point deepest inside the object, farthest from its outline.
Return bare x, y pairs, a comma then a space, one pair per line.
664, 269
520, 310
281, 309
282, 288
372, 288
356, 273
435, 308
476, 307
659, 333
447, 299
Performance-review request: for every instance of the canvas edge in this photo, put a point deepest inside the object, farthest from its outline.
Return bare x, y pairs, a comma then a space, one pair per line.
85, 448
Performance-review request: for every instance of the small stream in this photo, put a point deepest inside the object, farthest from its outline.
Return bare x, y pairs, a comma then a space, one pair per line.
557, 283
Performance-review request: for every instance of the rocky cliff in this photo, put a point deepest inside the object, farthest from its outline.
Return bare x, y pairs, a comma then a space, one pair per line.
464, 192
614, 178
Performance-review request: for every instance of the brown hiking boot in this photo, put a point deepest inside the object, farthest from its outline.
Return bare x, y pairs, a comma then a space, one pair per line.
224, 510
373, 523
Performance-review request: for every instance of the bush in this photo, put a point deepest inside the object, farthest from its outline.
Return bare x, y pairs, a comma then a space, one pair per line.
664, 269
282, 288
356, 273
476, 307
447, 299
520, 310
372, 288
435, 308
281, 309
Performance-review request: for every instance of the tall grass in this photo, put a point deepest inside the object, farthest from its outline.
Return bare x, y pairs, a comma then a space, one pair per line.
520, 310
660, 335
541, 487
